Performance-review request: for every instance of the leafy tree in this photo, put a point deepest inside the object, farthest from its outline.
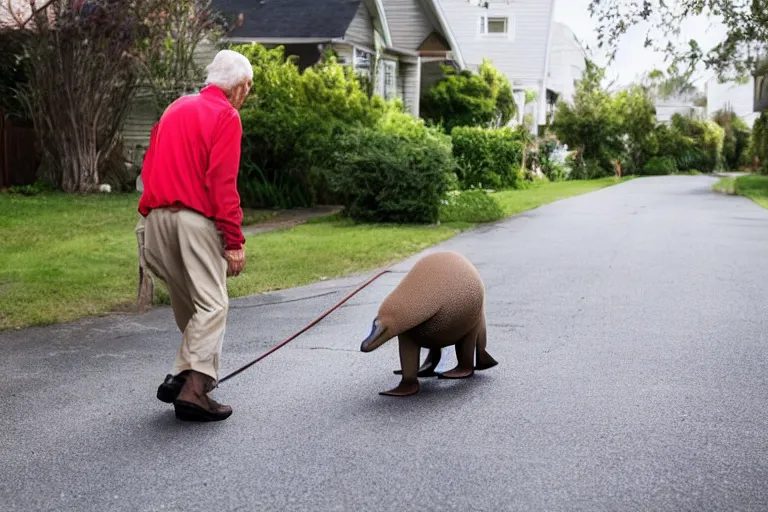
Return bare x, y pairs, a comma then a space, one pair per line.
637, 116
166, 52
591, 125
736, 139
735, 57
83, 60
464, 98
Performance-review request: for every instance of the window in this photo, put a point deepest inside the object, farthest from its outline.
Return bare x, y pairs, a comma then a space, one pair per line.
496, 25
362, 60
390, 79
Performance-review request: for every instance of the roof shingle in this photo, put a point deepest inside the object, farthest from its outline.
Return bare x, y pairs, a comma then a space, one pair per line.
290, 18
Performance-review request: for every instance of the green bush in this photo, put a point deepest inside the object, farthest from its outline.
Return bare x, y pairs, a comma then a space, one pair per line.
659, 166
290, 124
470, 206
693, 143
488, 158
758, 147
736, 139
397, 171
464, 98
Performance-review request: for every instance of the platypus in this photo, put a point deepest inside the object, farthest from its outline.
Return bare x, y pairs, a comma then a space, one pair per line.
440, 302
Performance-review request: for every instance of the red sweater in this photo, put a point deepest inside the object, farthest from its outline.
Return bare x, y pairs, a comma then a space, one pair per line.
193, 159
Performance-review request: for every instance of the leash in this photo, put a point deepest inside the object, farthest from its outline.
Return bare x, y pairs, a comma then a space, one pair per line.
308, 327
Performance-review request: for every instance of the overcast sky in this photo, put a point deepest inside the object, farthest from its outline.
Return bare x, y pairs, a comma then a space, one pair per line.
631, 59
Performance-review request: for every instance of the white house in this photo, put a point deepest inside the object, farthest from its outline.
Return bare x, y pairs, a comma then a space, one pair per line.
732, 96
567, 62
514, 34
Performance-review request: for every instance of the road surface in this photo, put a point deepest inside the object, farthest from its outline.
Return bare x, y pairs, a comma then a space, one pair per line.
631, 329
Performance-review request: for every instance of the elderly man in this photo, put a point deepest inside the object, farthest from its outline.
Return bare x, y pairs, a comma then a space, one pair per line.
192, 234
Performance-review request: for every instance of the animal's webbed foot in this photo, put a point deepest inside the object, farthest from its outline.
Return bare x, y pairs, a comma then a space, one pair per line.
404, 389
457, 373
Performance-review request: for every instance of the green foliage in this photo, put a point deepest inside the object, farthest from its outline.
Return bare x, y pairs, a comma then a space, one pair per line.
637, 115
290, 125
470, 206
659, 165
736, 55
736, 139
397, 171
759, 144
696, 144
592, 126
464, 98
488, 158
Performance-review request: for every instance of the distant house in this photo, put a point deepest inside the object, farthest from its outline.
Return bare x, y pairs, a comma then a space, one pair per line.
515, 35
409, 39
733, 97
567, 63
683, 104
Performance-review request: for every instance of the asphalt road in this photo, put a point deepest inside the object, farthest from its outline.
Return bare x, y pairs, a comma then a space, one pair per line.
631, 329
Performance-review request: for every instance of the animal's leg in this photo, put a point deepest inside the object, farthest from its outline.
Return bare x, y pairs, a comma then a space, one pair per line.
484, 359
409, 362
430, 363
465, 353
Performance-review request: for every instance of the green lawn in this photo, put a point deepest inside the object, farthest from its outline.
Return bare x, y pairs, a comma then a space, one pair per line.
754, 187
67, 257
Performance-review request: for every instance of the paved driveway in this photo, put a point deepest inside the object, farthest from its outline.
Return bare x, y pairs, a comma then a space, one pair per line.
631, 329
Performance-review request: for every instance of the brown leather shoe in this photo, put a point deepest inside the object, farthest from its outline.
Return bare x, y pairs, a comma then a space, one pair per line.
194, 404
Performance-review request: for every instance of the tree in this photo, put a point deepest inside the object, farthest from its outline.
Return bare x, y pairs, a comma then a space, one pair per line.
735, 57
464, 98
83, 61
80, 82
637, 120
166, 55
591, 125
736, 139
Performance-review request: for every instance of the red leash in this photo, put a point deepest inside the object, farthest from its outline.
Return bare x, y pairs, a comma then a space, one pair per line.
308, 327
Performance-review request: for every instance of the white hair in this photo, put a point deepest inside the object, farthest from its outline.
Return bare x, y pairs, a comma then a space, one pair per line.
228, 70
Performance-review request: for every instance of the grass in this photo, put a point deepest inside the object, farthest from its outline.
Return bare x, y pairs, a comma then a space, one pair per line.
66, 257
754, 187
516, 201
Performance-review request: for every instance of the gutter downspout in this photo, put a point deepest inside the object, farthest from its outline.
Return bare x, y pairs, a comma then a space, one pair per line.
543, 94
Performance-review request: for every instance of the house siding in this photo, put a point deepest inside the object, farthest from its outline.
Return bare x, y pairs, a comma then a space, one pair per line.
407, 23
523, 57
567, 62
522, 54
360, 31
740, 98
410, 79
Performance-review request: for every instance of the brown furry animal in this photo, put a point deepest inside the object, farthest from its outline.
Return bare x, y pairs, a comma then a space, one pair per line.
440, 302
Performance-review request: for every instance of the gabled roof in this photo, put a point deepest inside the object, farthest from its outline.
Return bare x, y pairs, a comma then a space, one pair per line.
290, 18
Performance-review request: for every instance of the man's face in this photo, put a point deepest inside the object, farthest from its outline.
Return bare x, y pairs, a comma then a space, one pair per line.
241, 93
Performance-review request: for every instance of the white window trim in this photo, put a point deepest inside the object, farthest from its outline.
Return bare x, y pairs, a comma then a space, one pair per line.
482, 27
387, 92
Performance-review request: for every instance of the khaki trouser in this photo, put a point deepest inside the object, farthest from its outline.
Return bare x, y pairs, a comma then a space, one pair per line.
185, 251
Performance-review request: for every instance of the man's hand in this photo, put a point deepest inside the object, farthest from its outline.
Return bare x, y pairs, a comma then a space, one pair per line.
235, 262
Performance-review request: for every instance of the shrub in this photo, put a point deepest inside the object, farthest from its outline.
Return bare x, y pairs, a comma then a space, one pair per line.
290, 124
397, 171
464, 98
658, 166
488, 158
470, 206
736, 139
758, 148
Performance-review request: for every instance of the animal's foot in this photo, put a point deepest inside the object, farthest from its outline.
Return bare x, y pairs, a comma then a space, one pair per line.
404, 389
457, 373
485, 361
423, 374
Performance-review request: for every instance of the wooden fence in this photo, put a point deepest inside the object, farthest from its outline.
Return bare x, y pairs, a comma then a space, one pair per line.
19, 157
